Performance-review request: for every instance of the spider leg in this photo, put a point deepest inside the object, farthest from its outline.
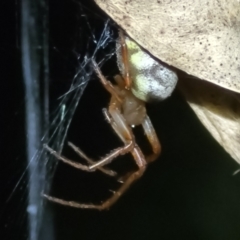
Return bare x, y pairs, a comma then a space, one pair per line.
89, 160
118, 123
108, 85
121, 128
116, 120
152, 138
76, 164
115, 153
106, 204
124, 51
139, 158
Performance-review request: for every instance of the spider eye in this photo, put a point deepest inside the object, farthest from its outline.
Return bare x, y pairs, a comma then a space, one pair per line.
151, 80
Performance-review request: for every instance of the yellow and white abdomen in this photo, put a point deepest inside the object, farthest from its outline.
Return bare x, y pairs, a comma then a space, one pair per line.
151, 80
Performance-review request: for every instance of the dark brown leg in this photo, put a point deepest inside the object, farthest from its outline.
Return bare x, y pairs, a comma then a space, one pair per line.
90, 161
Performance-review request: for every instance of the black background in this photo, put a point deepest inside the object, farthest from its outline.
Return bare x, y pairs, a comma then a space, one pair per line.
188, 193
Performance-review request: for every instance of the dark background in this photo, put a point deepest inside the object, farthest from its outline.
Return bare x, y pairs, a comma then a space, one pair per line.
188, 193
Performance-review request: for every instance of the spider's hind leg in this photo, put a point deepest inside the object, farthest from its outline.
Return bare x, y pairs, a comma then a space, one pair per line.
152, 138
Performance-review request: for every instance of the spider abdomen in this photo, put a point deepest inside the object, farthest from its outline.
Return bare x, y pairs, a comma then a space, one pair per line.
151, 80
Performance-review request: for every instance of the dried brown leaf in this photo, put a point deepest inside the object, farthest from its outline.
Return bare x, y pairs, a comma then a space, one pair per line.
202, 38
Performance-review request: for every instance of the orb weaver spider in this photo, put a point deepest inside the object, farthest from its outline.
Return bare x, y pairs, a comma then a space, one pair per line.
142, 78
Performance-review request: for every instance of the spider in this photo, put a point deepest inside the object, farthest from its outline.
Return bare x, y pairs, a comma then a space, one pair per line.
142, 79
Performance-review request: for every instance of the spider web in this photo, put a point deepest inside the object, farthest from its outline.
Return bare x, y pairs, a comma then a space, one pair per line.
78, 32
